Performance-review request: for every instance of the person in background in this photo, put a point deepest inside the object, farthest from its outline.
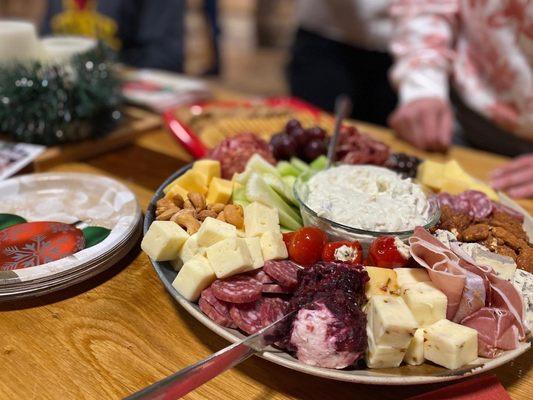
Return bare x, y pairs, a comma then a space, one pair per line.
484, 50
147, 34
341, 47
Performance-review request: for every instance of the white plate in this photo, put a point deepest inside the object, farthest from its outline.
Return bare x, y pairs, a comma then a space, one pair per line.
69, 197
404, 375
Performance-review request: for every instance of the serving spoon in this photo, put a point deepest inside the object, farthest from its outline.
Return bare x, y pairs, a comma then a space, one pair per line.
343, 107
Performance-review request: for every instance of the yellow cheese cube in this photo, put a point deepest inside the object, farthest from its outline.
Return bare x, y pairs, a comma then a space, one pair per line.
163, 240
254, 245
484, 188
415, 351
189, 249
453, 170
382, 281
191, 181
272, 246
454, 186
174, 190
405, 276
426, 302
259, 219
213, 230
229, 257
219, 191
430, 173
449, 344
195, 275
208, 168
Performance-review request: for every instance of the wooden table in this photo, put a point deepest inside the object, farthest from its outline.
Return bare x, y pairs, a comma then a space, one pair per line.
121, 331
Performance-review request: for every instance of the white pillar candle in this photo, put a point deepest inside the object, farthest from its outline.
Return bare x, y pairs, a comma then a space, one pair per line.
61, 48
18, 41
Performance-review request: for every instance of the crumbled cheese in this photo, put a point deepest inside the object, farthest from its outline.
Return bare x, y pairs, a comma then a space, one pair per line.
345, 253
403, 249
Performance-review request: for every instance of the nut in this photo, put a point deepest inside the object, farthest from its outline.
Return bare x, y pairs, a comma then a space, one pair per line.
234, 215
197, 200
202, 215
221, 216
167, 214
186, 219
178, 200
164, 203
216, 207
187, 205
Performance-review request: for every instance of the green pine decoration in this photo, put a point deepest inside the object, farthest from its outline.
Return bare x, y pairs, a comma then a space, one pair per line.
7, 220
58, 103
94, 235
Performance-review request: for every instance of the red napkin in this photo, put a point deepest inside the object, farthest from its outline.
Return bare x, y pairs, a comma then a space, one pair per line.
482, 388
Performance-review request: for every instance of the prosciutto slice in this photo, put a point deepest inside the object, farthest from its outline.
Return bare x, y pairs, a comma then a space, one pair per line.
476, 296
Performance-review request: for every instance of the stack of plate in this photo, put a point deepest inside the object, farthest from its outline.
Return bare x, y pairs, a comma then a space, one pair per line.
68, 198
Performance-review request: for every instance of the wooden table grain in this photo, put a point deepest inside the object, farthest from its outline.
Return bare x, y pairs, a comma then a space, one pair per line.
120, 331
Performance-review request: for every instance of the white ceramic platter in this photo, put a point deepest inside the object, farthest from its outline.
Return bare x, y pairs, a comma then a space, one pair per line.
404, 375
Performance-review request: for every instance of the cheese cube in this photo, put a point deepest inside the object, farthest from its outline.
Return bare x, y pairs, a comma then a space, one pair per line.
174, 190
426, 302
195, 275
272, 246
209, 169
191, 181
454, 186
229, 257
219, 191
415, 351
449, 344
213, 230
190, 249
453, 170
379, 356
254, 245
430, 173
390, 321
405, 276
382, 281
163, 240
259, 219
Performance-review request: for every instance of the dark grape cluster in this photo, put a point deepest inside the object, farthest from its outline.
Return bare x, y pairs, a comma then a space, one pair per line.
306, 144
404, 164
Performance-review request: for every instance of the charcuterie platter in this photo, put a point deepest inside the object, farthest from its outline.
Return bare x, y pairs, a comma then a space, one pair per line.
402, 271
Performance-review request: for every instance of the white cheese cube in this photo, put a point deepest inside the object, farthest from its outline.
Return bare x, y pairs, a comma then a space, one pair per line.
405, 276
213, 230
259, 219
273, 246
378, 356
195, 275
163, 240
449, 344
254, 246
229, 257
415, 351
390, 321
426, 302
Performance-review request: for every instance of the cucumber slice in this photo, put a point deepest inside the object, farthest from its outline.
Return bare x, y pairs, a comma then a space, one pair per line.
319, 163
258, 164
239, 194
258, 190
285, 168
299, 164
280, 188
289, 181
242, 203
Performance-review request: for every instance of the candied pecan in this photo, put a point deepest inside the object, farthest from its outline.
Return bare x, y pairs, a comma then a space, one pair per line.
525, 259
490, 242
506, 251
475, 233
508, 238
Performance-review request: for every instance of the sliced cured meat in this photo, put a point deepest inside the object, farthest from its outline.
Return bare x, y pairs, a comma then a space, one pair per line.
272, 309
508, 210
261, 276
275, 288
445, 199
284, 272
480, 204
462, 205
215, 309
247, 316
237, 289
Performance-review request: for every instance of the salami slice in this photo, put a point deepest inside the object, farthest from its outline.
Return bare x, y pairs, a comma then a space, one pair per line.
272, 309
480, 204
216, 310
462, 204
237, 289
261, 276
247, 316
275, 288
445, 199
284, 272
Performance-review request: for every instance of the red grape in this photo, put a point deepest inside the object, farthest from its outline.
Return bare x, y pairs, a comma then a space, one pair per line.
313, 149
283, 146
292, 125
316, 132
299, 135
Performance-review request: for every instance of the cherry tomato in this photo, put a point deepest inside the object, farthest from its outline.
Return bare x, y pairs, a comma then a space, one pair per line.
306, 245
287, 237
384, 253
353, 253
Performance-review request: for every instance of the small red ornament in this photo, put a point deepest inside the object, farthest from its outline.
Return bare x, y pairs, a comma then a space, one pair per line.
35, 243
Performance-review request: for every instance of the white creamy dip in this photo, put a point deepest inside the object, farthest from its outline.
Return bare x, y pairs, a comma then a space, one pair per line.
368, 197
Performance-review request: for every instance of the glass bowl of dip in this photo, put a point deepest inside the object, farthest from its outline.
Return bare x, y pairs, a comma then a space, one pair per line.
342, 231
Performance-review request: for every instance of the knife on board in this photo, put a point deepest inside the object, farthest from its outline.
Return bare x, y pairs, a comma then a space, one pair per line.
182, 382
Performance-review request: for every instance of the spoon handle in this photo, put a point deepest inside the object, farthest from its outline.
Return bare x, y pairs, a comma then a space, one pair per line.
343, 107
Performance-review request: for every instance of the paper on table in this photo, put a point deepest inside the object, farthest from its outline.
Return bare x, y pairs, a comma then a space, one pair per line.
15, 156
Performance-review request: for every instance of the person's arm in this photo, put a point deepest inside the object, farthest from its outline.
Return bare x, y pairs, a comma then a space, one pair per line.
422, 46
515, 177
